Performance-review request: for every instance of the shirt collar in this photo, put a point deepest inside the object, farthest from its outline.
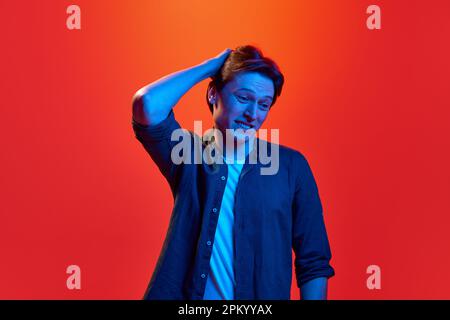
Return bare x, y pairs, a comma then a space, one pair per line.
251, 160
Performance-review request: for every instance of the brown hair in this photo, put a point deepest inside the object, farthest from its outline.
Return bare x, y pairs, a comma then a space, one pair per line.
247, 58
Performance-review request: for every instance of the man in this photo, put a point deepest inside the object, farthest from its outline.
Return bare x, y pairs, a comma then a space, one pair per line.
232, 228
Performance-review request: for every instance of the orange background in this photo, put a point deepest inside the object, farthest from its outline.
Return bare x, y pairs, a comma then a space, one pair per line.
369, 109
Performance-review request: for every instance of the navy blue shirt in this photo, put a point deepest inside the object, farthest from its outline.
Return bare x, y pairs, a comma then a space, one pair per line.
274, 214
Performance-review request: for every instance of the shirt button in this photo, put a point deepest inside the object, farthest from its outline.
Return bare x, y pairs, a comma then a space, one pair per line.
208, 243
203, 275
214, 210
223, 178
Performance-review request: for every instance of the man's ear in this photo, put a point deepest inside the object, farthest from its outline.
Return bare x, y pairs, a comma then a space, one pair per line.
212, 94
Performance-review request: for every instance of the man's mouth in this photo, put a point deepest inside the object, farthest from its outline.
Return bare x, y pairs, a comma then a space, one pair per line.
244, 125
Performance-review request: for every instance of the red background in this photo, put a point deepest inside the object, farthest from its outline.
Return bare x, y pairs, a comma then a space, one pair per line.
369, 109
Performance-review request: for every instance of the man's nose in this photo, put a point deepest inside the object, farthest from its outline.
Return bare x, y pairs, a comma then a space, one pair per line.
250, 112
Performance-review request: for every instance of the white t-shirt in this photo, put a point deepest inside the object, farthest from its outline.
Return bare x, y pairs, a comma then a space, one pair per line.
220, 283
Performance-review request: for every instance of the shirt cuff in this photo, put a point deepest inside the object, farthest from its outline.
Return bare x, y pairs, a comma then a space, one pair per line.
325, 271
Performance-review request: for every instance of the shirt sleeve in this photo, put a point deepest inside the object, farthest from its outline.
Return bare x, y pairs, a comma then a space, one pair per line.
309, 236
157, 141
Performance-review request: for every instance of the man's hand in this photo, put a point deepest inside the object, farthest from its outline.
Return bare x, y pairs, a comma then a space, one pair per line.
214, 64
315, 289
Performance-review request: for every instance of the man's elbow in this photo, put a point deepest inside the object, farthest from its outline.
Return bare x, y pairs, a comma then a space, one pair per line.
140, 108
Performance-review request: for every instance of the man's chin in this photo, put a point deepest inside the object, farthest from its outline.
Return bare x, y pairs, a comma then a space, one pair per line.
240, 135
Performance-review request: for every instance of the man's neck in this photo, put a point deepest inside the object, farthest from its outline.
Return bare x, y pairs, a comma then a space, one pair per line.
234, 149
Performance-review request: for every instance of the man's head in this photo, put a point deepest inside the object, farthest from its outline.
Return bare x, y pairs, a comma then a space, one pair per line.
243, 91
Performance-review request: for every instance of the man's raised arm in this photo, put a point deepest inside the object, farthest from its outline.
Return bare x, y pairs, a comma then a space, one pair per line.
153, 103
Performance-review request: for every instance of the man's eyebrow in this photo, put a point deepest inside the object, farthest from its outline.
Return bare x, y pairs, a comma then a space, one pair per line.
250, 90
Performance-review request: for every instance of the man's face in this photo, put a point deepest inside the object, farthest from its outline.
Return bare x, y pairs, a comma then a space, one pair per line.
244, 102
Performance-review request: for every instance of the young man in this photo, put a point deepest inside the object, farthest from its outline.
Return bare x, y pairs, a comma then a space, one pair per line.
236, 217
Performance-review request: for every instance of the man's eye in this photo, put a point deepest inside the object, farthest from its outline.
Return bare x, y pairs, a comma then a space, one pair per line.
265, 106
242, 98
